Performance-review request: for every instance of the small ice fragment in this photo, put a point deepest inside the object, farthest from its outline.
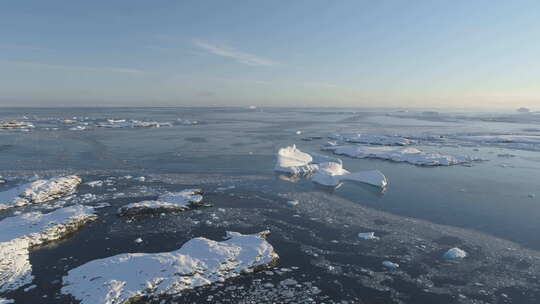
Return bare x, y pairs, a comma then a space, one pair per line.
293, 202
367, 236
6, 301
390, 265
298, 132
97, 183
101, 205
455, 254
141, 179
138, 240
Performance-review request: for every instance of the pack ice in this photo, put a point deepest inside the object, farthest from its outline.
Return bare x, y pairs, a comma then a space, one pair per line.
40, 191
18, 234
173, 201
326, 170
402, 154
374, 139
198, 262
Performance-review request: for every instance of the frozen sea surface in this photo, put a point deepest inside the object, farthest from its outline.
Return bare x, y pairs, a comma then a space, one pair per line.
489, 209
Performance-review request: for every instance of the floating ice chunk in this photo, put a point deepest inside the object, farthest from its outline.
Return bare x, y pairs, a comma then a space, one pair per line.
332, 174
390, 265
367, 236
198, 262
455, 254
521, 139
252, 107
6, 301
20, 233
16, 125
174, 201
292, 160
97, 183
375, 139
138, 240
40, 191
102, 205
402, 154
293, 202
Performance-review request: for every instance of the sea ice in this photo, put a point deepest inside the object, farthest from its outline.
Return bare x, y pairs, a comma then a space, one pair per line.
292, 160
40, 191
16, 125
198, 262
374, 139
18, 234
6, 301
455, 254
402, 154
173, 201
505, 139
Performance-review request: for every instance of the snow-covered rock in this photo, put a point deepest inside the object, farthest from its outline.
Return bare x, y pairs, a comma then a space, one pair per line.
40, 191
18, 234
198, 262
173, 201
374, 139
455, 254
402, 154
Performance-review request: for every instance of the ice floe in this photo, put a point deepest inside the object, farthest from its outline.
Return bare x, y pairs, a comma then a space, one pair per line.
402, 154
173, 201
521, 139
39, 191
390, 265
374, 139
123, 123
6, 301
326, 170
455, 254
18, 234
198, 262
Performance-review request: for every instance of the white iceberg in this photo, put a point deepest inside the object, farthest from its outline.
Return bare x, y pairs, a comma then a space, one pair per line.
455, 254
374, 139
173, 201
291, 160
198, 262
20, 233
40, 191
402, 154
326, 170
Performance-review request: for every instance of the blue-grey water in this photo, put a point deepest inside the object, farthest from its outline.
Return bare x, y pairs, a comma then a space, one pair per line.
497, 198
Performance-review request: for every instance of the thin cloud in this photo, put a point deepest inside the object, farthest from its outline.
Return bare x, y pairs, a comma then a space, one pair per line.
241, 57
39, 65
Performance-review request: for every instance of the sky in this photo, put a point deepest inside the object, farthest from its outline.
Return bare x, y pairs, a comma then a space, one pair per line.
334, 53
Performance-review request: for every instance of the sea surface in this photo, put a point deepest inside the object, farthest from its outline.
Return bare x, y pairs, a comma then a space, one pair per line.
485, 207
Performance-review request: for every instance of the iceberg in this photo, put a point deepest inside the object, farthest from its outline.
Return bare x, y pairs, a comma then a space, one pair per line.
402, 154
40, 191
21, 233
390, 265
291, 160
199, 262
455, 254
367, 236
173, 201
326, 170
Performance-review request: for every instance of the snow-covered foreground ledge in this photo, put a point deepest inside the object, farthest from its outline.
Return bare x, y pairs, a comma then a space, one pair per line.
40, 191
326, 170
19, 233
198, 262
174, 201
402, 154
